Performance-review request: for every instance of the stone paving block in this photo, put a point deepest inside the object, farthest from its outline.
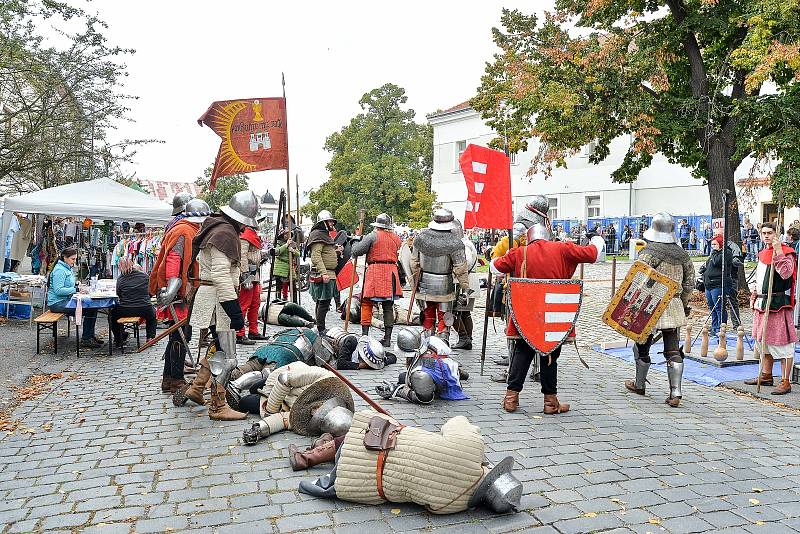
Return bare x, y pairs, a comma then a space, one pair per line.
11, 516
162, 524
585, 524
687, 524
64, 520
406, 523
303, 522
260, 514
23, 526
50, 510
210, 519
723, 519
760, 513
564, 496
112, 528
671, 509
376, 526
101, 503
557, 512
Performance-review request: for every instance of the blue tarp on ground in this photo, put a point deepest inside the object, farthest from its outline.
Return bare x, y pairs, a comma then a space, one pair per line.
700, 373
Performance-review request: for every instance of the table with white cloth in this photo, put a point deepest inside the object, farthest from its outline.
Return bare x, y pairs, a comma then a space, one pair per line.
100, 301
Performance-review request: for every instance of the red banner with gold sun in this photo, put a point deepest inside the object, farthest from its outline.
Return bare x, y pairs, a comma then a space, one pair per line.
253, 133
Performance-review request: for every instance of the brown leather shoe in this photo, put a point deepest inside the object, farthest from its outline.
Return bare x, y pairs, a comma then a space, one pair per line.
194, 391
630, 385
783, 388
766, 380
171, 385
511, 401
323, 439
219, 410
552, 406
312, 456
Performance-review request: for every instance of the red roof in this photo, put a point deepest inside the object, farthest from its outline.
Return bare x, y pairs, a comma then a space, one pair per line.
164, 191
457, 107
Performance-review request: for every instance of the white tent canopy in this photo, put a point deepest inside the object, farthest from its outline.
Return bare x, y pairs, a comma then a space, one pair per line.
101, 199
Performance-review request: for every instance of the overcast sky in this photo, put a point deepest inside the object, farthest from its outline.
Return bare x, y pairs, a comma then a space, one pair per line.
190, 54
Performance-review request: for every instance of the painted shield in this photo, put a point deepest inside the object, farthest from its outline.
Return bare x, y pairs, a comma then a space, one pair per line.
545, 311
639, 302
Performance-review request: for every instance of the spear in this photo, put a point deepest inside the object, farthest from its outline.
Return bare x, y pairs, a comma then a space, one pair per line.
353, 278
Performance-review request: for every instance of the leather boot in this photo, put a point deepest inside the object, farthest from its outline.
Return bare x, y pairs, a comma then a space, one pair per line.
365, 329
194, 391
501, 377
324, 438
766, 374
219, 410
511, 401
552, 406
171, 385
464, 343
783, 388
312, 456
387, 337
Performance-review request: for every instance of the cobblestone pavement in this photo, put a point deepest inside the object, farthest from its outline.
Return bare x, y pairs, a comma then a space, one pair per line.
105, 451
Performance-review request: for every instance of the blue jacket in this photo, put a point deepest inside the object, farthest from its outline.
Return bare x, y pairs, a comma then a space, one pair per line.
62, 283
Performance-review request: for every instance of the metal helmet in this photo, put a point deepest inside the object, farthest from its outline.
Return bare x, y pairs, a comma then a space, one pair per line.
243, 208
662, 230
518, 230
323, 350
179, 202
370, 350
325, 215
459, 228
442, 220
409, 342
382, 221
535, 210
332, 417
196, 210
500, 491
423, 385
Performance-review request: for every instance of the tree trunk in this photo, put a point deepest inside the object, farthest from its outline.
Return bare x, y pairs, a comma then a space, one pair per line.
720, 178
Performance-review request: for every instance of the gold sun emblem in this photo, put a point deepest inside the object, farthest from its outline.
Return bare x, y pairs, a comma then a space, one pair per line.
229, 161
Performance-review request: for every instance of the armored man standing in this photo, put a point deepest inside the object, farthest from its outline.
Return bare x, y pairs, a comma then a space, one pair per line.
541, 258
666, 256
382, 281
438, 255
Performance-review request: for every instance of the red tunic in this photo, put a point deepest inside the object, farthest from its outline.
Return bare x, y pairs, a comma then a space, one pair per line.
549, 260
382, 267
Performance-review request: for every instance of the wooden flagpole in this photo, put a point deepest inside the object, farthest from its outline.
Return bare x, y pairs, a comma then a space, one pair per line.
288, 192
361, 215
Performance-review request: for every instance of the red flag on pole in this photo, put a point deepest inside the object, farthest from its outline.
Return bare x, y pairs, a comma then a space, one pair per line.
487, 173
253, 133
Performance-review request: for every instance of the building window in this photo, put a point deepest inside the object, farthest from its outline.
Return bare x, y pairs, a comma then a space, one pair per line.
514, 159
461, 146
593, 206
552, 208
588, 149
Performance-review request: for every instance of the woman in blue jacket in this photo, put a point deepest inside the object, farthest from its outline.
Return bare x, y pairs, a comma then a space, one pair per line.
60, 290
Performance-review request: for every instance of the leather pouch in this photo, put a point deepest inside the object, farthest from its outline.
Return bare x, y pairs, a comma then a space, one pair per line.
381, 434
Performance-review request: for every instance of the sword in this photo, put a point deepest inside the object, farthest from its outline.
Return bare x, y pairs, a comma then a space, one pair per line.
163, 334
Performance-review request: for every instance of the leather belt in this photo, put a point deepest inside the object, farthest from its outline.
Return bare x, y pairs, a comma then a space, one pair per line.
380, 465
381, 262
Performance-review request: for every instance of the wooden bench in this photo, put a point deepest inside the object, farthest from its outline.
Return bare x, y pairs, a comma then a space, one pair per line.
49, 321
127, 323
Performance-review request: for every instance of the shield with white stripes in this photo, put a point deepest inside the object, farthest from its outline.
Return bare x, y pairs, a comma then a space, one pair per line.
545, 311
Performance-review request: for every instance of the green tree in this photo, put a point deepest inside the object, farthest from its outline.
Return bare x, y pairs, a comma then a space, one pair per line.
705, 82
60, 97
378, 160
419, 214
227, 186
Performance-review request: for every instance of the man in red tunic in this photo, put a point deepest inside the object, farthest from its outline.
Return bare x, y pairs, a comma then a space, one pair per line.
250, 288
545, 259
382, 281
170, 279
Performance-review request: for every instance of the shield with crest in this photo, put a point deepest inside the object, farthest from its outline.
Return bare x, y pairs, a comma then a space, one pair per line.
545, 311
639, 302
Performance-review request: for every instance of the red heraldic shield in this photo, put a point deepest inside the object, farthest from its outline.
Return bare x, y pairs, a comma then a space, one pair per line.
253, 133
545, 311
487, 173
345, 276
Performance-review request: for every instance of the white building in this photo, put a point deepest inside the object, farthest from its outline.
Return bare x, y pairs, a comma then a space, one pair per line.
582, 190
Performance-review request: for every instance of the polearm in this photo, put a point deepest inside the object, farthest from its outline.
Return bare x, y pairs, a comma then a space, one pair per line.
767, 304
353, 278
297, 221
372, 403
413, 295
272, 263
163, 334
288, 193
486, 318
